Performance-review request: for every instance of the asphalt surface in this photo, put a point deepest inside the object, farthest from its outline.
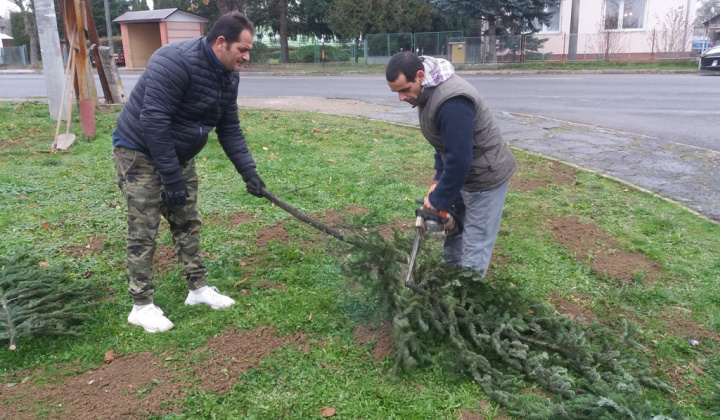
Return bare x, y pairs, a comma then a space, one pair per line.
674, 171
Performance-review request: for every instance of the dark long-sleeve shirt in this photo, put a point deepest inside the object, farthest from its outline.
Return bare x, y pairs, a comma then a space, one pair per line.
455, 123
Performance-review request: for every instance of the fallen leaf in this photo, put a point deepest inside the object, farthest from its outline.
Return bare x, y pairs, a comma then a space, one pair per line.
696, 368
44, 264
46, 225
112, 205
23, 196
333, 368
110, 356
310, 317
86, 275
327, 412
265, 148
241, 281
330, 160
315, 130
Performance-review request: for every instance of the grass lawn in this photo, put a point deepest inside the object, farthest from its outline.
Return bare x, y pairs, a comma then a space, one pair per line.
304, 340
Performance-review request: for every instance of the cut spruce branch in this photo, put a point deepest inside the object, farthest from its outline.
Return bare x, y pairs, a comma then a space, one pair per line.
38, 299
503, 341
508, 344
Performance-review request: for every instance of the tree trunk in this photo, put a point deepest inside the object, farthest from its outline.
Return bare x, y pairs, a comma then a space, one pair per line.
492, 41
30, 32
227, 6
283, 6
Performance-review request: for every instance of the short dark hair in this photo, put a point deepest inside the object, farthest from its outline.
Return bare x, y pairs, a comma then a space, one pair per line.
229, 26
403, 62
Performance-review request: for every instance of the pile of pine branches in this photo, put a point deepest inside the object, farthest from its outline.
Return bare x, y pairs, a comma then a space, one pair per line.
536, 364
38, 298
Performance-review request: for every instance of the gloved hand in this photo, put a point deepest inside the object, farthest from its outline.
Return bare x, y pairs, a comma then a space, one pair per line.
175, 194
255, 186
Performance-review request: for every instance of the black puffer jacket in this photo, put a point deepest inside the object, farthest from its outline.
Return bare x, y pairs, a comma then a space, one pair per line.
182, 94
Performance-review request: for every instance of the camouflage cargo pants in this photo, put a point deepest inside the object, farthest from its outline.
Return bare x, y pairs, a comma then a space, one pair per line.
142, 187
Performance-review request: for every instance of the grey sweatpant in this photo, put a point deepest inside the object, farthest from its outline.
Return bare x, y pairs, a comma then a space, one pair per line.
483, 211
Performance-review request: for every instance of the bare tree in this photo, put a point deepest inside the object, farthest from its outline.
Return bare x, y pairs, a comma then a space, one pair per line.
30, 29
671, 35
607, 42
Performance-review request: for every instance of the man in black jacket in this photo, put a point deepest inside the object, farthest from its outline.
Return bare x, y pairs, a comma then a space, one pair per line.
187, 89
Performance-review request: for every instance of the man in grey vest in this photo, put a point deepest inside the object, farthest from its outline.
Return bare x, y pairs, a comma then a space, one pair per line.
472, 161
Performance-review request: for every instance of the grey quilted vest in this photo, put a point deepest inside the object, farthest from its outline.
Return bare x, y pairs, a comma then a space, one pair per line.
493, 163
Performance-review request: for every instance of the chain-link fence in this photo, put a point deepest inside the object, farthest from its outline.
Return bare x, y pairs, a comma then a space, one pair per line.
378, 48
600, 46
13, 57
434, 43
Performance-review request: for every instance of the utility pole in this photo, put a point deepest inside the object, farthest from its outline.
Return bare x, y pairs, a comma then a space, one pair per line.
51, 55
574, 23
108, 27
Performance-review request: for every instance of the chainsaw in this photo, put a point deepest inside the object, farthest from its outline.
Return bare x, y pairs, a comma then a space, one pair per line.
434, 224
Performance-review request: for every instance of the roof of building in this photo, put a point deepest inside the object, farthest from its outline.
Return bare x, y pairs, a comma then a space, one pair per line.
3, 36
158, 16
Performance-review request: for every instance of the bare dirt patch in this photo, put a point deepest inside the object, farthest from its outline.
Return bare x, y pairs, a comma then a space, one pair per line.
93, 246
677, 321
165, 258
602, 252
233, 352
275, 233
236, 219
384, 337
574, 307
141, 385
536, 175
402, 225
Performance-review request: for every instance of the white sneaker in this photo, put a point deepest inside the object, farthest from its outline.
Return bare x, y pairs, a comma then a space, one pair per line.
209, 296
150, 317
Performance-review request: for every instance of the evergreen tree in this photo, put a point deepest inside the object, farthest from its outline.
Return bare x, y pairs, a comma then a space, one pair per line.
37, 299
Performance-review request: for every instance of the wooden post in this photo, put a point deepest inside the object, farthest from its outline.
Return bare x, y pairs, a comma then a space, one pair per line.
95, 40
86, 102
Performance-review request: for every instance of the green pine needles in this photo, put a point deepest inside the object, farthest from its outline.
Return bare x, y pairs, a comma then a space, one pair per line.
534, 363
38, 300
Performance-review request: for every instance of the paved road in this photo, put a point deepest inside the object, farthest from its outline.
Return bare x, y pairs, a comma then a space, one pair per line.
676, 107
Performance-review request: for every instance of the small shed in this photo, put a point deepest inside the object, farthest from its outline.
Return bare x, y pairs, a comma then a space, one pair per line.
145, 31
7, 41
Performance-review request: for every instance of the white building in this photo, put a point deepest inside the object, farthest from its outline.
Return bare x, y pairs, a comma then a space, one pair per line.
621, 29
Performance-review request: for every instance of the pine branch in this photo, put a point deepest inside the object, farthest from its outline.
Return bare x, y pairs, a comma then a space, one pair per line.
37, 300
504, 341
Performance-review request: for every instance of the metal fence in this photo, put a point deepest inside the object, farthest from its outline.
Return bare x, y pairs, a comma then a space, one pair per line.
378, 48
13, 57
600, 46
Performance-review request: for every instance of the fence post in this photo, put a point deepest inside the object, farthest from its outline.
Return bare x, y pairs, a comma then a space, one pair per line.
652, 48
522, 48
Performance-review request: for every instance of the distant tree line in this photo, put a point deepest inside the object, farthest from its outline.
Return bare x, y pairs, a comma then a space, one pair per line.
345, 19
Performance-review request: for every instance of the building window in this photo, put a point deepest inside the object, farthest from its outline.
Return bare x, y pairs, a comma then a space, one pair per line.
624, 14
554, 25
